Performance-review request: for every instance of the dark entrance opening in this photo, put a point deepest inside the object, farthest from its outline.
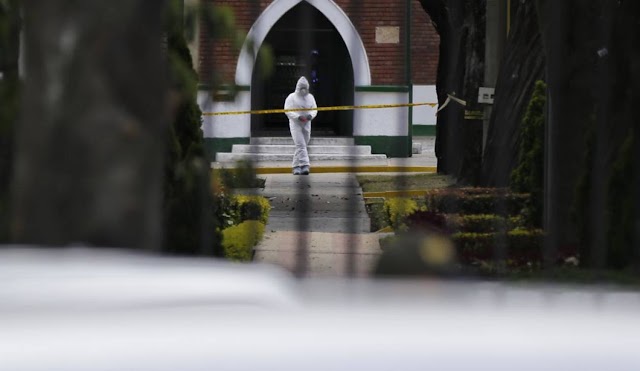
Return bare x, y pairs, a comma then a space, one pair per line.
304, 43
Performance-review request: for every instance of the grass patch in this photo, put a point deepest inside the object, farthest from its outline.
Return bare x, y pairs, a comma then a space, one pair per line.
377, 215
383, 183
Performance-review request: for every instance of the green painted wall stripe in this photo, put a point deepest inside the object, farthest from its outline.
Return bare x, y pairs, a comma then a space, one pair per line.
214, 145
396, 146
424, 130
384, 88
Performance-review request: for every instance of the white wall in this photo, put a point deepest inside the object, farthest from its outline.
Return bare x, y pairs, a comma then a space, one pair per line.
424, 115
380, 121
232, 126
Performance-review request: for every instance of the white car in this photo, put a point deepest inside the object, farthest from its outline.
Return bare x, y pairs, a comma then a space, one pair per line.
89, 310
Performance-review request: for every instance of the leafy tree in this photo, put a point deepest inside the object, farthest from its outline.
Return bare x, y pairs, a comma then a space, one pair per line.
188, 205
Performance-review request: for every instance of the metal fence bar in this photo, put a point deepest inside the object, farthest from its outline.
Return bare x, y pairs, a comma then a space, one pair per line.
303, 198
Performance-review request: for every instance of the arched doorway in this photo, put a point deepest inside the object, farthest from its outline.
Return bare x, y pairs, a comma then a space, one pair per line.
304, 43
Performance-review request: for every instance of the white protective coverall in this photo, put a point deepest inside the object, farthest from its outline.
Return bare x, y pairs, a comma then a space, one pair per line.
299, 122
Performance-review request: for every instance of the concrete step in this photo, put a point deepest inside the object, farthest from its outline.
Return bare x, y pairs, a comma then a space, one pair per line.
313, 149
416, 148
264, 157
331, 141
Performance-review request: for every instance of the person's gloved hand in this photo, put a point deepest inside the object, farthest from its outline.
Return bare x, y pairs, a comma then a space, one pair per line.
302, 119
309, 117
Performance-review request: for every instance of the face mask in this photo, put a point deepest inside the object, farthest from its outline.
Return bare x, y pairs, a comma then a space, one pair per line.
303, 91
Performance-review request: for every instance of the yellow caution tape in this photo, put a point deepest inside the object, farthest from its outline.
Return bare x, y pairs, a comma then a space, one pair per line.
451, 98
334, 108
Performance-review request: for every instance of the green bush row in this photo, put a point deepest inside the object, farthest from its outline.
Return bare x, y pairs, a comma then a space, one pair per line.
522, 246
466, 210
394, 213
483, 223
476, 201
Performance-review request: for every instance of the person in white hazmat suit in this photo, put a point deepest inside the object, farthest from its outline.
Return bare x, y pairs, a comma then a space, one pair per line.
300, 124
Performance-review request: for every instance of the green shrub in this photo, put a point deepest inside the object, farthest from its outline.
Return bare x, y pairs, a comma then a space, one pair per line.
528, 175
251, 208
398, 209
523, 246
482, 223
239, 240
475, 201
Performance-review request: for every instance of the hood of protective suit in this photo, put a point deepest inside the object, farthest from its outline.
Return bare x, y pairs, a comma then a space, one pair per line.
302, 87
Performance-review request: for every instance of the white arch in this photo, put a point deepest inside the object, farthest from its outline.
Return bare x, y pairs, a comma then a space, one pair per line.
268, 18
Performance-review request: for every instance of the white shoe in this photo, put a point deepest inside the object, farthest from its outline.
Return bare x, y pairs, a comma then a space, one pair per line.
296, 170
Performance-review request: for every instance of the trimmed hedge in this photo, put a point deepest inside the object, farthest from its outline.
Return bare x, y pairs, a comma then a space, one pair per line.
239, 240
381, 214
475, 201
483, 223
245, 217
523, 246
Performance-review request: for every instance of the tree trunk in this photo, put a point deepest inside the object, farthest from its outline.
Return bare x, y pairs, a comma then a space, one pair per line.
89, 148
591, 69
522, 65
9, 84
461, 26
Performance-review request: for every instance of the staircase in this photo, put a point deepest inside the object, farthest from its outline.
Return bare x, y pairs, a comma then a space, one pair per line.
276, 149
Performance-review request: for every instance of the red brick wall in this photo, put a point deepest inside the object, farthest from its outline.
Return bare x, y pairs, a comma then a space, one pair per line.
219, 55
386, 60
425, 44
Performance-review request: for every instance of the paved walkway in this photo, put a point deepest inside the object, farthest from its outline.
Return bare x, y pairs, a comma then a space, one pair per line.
318, 225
